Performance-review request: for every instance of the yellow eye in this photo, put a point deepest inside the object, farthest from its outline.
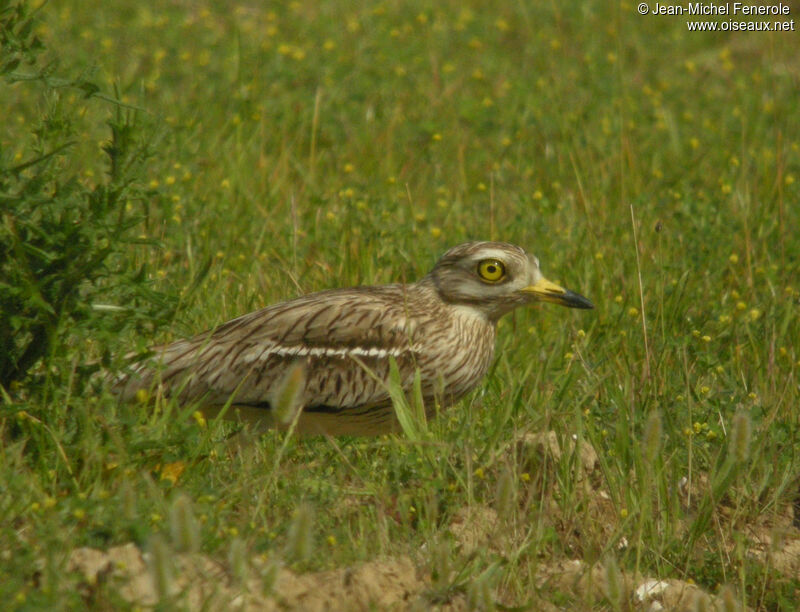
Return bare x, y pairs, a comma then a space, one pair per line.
492, 270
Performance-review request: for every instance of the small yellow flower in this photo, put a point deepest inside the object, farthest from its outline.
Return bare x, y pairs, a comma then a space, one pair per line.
704, 389
741, 306
331, 541
172, 471
481, 187
436, 232
154, 184
537, 195
142, 396
618, 299
525, 477
479, 473
225, 184
199, 418
706, 338
694, 143
569, 356
437, 137
623, 513
581, 333
348, 168
633, 311
755, 314
734, 258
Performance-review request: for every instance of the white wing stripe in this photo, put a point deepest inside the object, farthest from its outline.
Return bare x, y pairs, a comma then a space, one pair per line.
322, 351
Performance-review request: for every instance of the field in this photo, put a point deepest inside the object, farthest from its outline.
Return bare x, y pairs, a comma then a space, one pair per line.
169, 166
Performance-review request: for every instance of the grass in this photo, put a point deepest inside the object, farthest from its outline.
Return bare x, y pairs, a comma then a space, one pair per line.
309, 145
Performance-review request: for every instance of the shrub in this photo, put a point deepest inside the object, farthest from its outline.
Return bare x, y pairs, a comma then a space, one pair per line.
66, 271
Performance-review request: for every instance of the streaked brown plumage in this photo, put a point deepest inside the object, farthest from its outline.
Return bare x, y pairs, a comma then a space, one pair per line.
443, 325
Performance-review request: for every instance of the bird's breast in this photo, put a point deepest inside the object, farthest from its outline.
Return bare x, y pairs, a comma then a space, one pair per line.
454, 352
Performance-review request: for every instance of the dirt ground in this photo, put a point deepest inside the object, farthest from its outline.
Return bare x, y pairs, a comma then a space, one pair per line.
400, 583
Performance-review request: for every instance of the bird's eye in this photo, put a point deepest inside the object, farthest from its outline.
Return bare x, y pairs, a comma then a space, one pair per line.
492, 270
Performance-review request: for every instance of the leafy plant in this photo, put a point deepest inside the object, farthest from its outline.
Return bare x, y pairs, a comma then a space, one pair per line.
66, 243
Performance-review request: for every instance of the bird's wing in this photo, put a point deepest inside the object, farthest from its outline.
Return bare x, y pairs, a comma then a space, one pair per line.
343, 338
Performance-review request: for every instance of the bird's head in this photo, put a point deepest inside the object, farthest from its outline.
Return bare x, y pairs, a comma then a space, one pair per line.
495, 278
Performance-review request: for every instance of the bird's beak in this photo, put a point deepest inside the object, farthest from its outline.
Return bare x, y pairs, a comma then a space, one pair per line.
547, 291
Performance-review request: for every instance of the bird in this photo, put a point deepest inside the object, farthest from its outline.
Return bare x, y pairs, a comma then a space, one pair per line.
334, 350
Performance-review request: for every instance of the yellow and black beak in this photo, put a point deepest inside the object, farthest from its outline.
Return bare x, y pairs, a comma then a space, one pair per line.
547, 291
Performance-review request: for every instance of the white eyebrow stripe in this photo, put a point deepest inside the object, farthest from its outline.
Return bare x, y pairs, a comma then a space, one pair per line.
489, 253
324, 351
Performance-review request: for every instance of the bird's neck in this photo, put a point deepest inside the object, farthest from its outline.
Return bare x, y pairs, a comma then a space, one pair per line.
469, 309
